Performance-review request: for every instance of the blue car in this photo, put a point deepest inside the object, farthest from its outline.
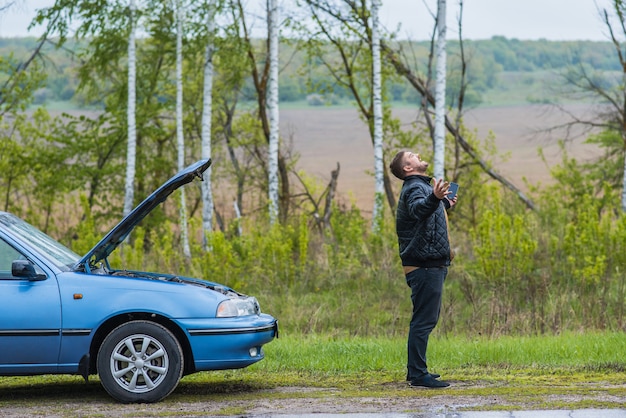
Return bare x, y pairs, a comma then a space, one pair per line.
61, 313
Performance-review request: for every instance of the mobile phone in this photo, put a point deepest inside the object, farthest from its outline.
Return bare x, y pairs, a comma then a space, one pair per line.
452, 189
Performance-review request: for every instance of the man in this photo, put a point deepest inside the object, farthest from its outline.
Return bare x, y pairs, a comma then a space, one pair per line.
422, 228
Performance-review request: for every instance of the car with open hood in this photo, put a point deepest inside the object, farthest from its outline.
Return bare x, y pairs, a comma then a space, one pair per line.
141, 332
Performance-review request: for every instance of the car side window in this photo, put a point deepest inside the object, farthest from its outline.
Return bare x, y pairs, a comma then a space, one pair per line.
8, 254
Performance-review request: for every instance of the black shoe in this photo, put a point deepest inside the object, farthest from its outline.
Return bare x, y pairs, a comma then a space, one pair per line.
434, 376
429, 382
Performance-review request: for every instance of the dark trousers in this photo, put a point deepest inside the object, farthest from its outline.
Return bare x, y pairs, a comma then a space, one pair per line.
426, 290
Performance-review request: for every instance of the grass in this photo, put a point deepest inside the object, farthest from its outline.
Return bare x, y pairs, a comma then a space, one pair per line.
568, 371
335, 354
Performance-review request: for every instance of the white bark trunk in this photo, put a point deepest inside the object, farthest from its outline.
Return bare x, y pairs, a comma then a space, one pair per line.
179, 124
378, 116
624, 190
207, 111
131, 150
238, 217
440, 92
272, 104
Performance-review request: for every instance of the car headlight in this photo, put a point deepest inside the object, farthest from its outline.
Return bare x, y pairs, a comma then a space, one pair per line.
238, 307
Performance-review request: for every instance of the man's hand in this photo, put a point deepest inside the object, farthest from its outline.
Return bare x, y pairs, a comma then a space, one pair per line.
440, 188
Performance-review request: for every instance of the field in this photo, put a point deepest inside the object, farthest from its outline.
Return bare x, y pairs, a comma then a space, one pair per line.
324, 137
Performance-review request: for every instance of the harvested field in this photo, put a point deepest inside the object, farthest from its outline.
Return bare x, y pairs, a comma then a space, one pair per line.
326, 136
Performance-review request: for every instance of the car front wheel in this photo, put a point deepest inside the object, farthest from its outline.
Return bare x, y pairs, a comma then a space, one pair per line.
140, 361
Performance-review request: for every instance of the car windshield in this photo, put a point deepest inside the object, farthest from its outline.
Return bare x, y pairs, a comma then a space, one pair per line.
60, 255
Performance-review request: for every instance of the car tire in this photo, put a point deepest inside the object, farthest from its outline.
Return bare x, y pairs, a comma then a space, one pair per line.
141, 362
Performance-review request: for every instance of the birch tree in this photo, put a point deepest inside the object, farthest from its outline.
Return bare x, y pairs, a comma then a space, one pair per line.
105, 60
272, 104
258, 62
207, 111
331, 17
421, 86
131, 147
346, 27
379, 168
440, 92
180, 140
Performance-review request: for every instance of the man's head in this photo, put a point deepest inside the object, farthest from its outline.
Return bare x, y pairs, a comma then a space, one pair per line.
406, 163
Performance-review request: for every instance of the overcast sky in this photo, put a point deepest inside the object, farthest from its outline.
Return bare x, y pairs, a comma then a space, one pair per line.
482, 19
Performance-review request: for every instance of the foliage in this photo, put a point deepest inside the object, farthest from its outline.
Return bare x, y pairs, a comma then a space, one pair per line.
555, 269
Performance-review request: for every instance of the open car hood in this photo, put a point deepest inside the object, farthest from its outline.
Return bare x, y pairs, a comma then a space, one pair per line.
119, 233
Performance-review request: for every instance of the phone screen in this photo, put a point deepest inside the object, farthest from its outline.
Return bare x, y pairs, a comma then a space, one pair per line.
453, 189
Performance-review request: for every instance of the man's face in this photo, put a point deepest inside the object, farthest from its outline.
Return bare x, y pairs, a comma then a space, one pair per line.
415, 163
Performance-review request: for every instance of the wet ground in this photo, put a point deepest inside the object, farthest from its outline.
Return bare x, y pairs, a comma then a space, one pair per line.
579, 413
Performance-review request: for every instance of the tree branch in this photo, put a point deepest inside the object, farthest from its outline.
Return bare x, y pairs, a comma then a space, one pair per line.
419, 85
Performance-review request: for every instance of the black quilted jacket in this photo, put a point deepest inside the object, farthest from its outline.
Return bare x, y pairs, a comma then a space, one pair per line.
421, 225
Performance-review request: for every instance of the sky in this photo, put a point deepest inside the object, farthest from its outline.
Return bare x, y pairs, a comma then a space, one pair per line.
521, 19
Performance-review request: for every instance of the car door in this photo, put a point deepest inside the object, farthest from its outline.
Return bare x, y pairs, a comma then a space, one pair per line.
30, 317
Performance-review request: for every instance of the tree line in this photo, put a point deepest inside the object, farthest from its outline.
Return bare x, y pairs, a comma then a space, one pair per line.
490, 60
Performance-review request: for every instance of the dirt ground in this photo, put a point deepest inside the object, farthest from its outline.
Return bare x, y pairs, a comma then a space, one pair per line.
290, 401
324, 137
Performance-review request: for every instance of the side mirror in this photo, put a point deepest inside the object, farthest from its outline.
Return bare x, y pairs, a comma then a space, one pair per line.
26, 269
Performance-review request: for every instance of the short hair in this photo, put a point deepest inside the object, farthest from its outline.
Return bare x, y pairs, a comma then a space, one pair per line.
397, 165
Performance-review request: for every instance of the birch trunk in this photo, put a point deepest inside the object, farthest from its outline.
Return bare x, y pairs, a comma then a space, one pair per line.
378, 117
272, 104
440, 92
207, 111
624, 189
421, 86
179, 124
131, 151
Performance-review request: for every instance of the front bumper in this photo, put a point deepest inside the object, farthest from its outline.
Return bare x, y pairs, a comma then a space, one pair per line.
231, 343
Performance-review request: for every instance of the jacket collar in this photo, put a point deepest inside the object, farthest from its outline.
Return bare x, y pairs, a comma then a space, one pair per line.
427, 179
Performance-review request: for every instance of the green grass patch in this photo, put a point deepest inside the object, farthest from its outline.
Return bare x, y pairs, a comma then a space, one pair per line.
357, 355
